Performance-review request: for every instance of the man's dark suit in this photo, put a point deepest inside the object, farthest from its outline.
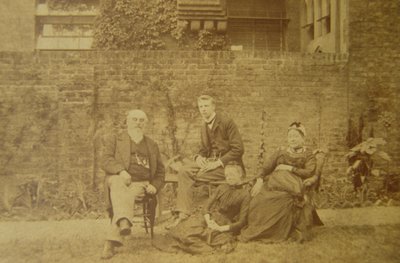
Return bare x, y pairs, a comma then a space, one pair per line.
120, 197
117, 154
228, 140
228, 147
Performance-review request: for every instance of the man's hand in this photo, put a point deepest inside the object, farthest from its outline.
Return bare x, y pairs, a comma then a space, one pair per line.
257, 187
126, 177
150, 189
201, 161
284, 167
209, 166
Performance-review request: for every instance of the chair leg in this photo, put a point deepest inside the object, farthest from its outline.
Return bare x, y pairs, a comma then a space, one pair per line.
145, 216
152, 205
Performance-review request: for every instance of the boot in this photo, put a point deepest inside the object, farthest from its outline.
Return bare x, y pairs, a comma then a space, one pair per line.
108, 250
124, 227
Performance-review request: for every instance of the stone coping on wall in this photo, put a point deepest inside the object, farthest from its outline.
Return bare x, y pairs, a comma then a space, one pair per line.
322, 58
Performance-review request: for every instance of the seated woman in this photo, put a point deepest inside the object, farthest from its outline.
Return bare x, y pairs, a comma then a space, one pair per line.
279, 206
224, 216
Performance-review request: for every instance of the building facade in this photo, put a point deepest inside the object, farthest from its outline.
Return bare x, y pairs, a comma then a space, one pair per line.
253, 25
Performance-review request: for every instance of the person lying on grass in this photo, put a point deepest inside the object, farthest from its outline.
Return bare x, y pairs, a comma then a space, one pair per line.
222, 219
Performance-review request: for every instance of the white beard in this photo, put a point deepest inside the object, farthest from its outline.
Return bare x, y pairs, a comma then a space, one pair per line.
136, 135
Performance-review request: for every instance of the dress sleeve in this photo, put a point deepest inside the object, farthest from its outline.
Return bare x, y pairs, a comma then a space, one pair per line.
309, 167
244, 209
269, 165
211, 200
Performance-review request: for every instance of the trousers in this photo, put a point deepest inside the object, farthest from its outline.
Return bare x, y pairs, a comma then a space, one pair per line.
123, 202
187, 177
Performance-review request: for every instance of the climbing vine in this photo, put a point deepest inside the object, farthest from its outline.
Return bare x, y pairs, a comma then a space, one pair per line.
141, 24
136, 24
211, 40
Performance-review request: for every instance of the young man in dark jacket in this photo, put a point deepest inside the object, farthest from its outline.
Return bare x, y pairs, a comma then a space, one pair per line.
221, 143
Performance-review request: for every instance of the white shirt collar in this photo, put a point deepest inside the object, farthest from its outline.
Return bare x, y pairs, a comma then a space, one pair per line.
300, 150
211, 118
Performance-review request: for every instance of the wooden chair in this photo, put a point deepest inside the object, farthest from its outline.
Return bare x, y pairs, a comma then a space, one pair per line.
320, 156
149, 204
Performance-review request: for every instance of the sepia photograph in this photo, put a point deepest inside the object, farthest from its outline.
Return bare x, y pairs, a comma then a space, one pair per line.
199, 131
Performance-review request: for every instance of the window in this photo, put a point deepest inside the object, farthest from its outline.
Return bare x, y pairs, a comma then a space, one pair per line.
65, 25
257, 24
324, 18
254, 34
308, 14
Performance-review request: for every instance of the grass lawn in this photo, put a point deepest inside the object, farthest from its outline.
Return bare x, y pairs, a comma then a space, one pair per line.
380, 243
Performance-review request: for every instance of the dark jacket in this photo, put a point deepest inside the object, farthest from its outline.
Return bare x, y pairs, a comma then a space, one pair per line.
117, 154
228, 140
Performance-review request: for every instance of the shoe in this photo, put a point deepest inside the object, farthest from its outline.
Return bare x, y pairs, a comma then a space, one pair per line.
108, 250
124, 227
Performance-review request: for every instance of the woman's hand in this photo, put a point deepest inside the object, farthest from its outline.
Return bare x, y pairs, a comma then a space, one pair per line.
207, 217
214, 226
284, 167
224, 228
211, 224
257, 187
310, 181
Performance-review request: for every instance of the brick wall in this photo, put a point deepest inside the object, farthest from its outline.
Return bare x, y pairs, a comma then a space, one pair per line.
89, 91
94, 89
374, 37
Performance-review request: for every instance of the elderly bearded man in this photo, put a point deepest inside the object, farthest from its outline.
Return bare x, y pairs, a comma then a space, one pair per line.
133, 167
221, 143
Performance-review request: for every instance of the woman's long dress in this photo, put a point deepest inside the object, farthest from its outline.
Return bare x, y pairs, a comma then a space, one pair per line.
279, 207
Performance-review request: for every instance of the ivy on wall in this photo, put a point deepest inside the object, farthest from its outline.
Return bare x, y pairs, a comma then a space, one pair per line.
141, 24
211, 40
28, 116
136, 24
27, 119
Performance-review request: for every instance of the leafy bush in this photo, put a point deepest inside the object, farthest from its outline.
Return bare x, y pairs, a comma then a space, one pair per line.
211, 40
136, 24
361, 164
